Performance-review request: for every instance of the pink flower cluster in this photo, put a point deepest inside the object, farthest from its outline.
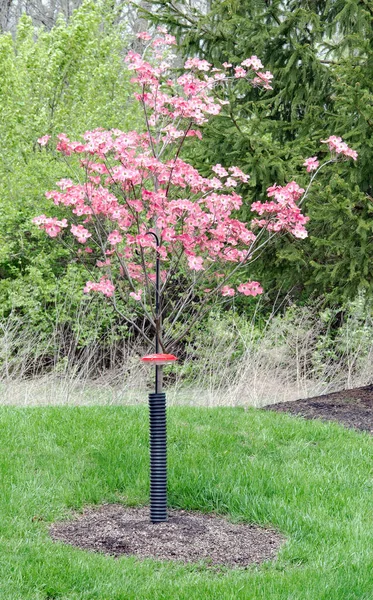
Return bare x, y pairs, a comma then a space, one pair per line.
191, 92
311, 163
43, 141
136, 295
158, 41
337, 145
196, 63
242, 71
208, 227
200, 223
251, 288
104, 286
282, 213
81, 233
234, 172
51, 225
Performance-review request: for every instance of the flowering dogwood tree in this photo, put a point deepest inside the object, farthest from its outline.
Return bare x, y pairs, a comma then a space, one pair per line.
135, 198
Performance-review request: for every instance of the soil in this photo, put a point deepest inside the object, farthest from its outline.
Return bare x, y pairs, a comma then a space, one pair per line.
351, 408
189, 537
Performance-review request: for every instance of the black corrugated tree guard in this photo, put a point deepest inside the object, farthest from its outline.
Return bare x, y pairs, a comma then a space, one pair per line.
157, 414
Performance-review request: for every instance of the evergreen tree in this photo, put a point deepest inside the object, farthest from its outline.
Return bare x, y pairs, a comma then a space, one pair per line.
321, 55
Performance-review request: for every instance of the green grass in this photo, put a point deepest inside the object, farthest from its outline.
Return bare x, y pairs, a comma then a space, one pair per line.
312, 481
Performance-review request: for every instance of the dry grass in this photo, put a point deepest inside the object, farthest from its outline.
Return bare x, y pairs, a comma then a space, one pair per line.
231, 362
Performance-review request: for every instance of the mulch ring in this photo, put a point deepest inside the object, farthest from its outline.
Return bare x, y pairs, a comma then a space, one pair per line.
352, 408
189, 537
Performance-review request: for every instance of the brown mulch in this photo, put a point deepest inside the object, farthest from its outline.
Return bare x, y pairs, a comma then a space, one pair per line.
189, 537
352, 408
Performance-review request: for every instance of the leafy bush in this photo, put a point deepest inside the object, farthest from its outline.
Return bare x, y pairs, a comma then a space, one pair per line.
71, 78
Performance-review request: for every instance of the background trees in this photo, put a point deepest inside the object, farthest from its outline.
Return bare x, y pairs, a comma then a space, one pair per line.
70, 78
321, 54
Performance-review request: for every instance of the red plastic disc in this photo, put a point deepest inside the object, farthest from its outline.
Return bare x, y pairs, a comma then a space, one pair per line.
159, 359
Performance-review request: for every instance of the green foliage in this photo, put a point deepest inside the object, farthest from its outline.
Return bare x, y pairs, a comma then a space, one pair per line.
69, 79
321, 54
315, 346
345, 336
54, 313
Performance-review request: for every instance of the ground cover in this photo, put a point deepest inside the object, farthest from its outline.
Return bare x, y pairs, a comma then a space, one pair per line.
352, 408
311, 481
187, 536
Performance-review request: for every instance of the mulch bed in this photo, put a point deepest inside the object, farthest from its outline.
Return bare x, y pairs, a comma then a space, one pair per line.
189, 537
352, 408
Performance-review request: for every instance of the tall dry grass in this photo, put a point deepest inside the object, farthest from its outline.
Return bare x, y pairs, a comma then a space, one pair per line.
230, 360
303, 353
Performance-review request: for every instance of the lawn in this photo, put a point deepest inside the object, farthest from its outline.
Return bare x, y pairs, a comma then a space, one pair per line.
313, 481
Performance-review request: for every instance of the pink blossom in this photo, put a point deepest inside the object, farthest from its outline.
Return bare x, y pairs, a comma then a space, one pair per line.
137, 295
172, 133
166, 40
350, 153
311, 163
40, 220
169, 39
215, 183
115, 238
299, 231
263, 80
195, 263
65, 184
81, 233
282, 214
168, 234
227, 291
103, 263
239, 72
196, 63
43, 141
337, 145
194, 132
144, 35
236, 172
251, 288
232, 254
219, 170
90, 286
52, 230
252, 63
104, 286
